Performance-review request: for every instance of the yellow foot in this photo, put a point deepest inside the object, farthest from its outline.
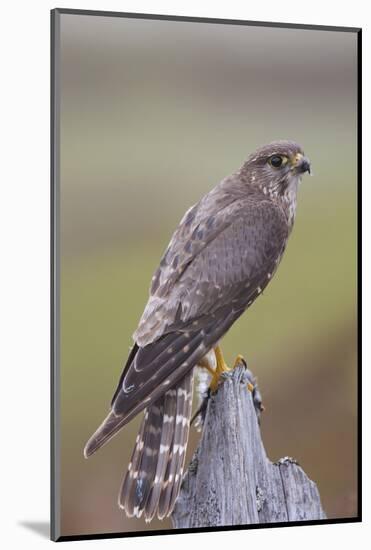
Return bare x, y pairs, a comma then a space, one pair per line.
221, 367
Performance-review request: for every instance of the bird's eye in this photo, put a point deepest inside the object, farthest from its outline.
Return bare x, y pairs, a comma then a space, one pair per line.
276, 161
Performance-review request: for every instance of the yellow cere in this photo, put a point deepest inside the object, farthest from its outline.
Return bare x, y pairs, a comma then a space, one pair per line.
296, 159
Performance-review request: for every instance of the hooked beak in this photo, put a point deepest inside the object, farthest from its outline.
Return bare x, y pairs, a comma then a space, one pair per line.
301, 164
304, 165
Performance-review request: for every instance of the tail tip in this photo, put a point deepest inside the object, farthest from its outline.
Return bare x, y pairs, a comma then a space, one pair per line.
89, 449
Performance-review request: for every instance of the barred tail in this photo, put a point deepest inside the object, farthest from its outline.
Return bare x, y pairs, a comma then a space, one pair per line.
154, 475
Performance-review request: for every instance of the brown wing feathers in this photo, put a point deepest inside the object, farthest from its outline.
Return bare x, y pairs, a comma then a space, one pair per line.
222, 274
147, 379
164, 453
180, 352
155, 364
153, 478
140, 475
174, 471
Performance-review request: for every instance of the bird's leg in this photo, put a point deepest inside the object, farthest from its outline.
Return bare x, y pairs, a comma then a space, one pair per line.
220, 368
214, 363
221, 365
214, 378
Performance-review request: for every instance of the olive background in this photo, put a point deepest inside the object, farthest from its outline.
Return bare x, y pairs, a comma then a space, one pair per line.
152, 115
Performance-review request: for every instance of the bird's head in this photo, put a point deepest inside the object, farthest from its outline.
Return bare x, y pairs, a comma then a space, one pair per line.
276, 168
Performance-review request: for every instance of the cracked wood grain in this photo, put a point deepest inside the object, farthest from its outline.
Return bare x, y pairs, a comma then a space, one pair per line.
230, 480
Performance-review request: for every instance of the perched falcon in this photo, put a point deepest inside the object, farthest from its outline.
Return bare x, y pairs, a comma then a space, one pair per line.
221, 257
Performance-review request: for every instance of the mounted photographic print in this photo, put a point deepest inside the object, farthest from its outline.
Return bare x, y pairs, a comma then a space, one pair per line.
205, 193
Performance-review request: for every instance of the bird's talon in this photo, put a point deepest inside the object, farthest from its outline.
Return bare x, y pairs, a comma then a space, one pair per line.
239, 359
221, 365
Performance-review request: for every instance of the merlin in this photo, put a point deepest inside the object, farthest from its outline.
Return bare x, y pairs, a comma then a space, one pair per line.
221, 257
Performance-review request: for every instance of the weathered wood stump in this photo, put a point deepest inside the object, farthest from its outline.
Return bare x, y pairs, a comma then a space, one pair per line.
230, 480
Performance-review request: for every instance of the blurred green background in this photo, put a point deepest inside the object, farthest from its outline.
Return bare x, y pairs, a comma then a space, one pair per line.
153, 115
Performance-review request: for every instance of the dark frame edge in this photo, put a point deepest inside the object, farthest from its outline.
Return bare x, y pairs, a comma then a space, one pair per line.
54, 278
52, 270
162, 17
359, 269
131, 534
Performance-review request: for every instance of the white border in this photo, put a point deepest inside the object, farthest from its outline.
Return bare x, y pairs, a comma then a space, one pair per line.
24, 283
